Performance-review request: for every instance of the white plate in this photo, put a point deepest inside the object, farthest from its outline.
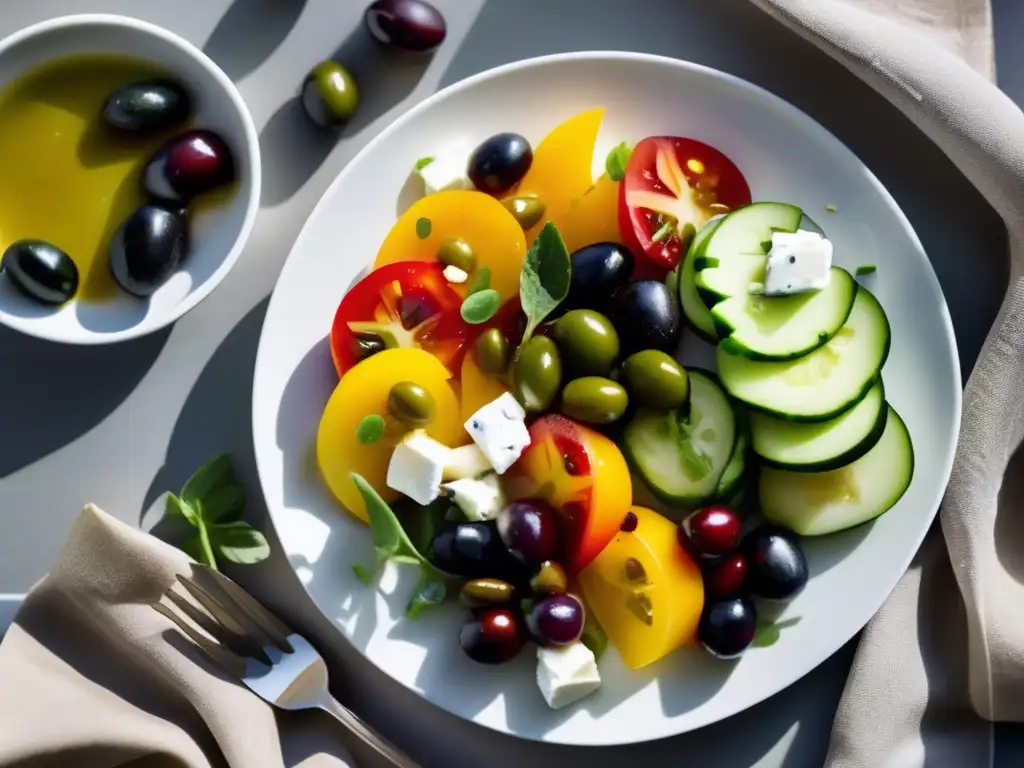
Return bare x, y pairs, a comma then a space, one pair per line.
785, 156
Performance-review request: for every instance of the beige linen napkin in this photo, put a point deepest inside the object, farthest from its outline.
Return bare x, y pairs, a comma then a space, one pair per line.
114, 684
947, 649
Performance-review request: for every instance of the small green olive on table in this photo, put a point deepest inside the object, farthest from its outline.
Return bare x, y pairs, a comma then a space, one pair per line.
588, 342
411, 403
656, 380
594, 400
537, 374
329, 95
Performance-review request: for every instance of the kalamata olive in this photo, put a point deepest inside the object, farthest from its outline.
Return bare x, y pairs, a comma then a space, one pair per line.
556, 620
148, 247
724, 576
483, 593
189, 165
528, 210
594, 400
148, 106
656, 380
492, 352
646, 315
456, 252
599, 271
711, 532
529, 529
474, 550
550, 579
726, 628
537, 374
588, 343
493, 637
776, 566
41, 271
500, 162
629, 522
408, 25
411, 403
329, 95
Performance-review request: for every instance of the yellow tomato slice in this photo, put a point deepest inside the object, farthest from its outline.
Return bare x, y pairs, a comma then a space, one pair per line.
492, 233
645, 591
363, 391
592, 218
478, 388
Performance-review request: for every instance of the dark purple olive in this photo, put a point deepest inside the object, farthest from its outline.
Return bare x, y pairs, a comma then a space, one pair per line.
189, 165
598, 272
500, 163
711, 532
148, 106
409, 25
492, 637
646, 315
474, 550
148, 247
776, 566
724, 577
727, 627
529, 530
41, 271
557, 620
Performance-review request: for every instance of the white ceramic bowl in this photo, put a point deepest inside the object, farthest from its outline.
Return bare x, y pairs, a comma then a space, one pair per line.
786, 156
218, 235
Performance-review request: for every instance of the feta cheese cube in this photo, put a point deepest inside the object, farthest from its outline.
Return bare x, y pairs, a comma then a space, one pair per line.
566, 674
499, 429
480, 499
797, 262
455, 275
466, 461
417, 467
446, 171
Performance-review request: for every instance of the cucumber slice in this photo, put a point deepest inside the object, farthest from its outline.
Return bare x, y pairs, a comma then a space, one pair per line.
817, 447
823, 384
694, 308
736, 470
681, 460
813, 504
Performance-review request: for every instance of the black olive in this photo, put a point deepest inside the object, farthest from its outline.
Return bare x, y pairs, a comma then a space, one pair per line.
148, 106
776, 566
148, 247
474, 550
598, 272
408, 25
500, 163
41, 271
646, 316
189, 165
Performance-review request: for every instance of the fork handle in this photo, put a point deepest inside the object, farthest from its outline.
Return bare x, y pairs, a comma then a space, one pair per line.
366, 734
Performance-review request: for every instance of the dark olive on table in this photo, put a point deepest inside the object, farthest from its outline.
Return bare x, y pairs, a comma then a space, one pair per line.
537, 374
588, 343
727, 627
493, 637
594, 400
598, 272
550, 579
656, 380
483, 593
530, 531
147, 106
408, 25
500, 162
411, 403
41, 271
329, 95
148, 247
492, 352
556, 620
474, 550
647, 316
528, 210
776, 566
189, 165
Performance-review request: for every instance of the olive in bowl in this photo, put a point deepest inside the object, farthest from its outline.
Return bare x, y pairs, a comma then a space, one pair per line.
148, 106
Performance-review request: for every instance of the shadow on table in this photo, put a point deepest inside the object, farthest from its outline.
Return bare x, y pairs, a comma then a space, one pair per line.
249, 32
51, 394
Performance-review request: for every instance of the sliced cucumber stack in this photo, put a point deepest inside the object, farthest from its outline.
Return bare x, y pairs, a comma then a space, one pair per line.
682, 457
694, 309
813, 504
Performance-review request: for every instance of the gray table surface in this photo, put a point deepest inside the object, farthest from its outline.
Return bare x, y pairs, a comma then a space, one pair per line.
119, 425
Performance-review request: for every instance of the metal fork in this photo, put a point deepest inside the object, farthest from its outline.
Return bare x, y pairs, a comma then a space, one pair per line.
276, 664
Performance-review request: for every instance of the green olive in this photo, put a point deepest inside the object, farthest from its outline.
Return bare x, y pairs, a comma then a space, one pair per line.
411, 403
656, 380
588, 342
455, 252
537, 373
481, 593
527, 209
550, 579
492, 352
594, 400
329, 94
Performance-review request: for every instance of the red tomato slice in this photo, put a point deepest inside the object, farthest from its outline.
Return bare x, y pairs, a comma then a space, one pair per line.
672, 186
408, 304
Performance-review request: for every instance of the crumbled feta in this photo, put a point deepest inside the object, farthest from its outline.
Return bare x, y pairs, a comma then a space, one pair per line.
480, 499
566, 674
797, 262
455, 275
466, 461
499, 429
446, 171
417, 467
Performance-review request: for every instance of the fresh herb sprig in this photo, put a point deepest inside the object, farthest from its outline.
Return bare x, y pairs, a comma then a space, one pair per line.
767, 632
544, 281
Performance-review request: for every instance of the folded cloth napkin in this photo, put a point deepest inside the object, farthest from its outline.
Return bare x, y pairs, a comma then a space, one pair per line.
945, 655
93, 677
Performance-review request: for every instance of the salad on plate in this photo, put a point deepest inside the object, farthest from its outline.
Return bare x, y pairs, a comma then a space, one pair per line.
511, 416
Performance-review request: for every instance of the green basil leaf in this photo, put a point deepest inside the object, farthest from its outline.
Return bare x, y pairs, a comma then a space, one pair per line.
223, 504
370, 429
429, 591
481, 282
423, 228
421, 523
423, 162
544, 281
239, 542
617, 160
193, 548
866, 269
480, 307
389, 538
176, 507
765, 635
211, 475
